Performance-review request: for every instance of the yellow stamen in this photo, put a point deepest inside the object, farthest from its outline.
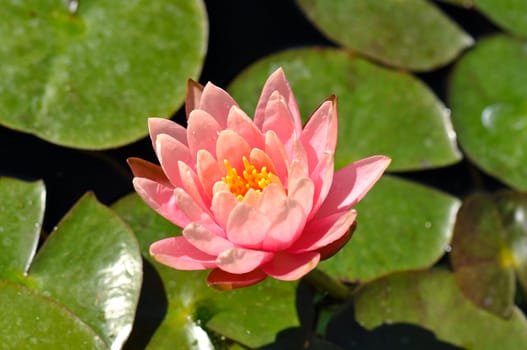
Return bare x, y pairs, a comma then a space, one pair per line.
251, 178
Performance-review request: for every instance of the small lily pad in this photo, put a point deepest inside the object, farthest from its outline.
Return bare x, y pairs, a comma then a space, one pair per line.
409, 34
489, 240
489, 107
508, 14
247, 315
90, 79
411, 126
401, 226
432, 299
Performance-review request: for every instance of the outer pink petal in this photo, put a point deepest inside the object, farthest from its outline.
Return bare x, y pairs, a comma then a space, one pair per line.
320, 133
322, 177
277, 82
227, 281
158, 126
217, 102
351, 183
208, 170
202, 132
319, 233
241, 260
232, 147
240, 123
179, 254
161, 199
279, 119
246, 226
276, 151
205, 240
223, 202
169, 152
194, 91
143, 168
290, 267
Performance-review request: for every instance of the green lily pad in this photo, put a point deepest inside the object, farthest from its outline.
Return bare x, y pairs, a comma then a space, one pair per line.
90, 79
21, 213
408, 34
508, 14
247, 316
489, 107
432, 299
90, 264
489, 242
31, 321
480, 258
411, 126
401, 226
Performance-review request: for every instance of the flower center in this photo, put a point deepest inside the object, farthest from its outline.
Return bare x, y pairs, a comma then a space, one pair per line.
250, 178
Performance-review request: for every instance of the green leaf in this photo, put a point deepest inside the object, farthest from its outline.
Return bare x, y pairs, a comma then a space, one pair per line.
21, 213
489, 108
508, 14
401, 226
480, 258
90, 79
411, 126
431, 299
31, 321
92, 265
409, 34
247, 315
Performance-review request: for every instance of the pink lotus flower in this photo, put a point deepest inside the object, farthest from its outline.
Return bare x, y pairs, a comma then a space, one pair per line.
254, 198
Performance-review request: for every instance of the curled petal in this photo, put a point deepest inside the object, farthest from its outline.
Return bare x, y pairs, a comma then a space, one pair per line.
351, 183
158, 126
178, 253
143, 168
194, 91
217, 102
202, 131
289, 267
223, 280
332, 248
277, 82
319, 233
205, 240
241, 260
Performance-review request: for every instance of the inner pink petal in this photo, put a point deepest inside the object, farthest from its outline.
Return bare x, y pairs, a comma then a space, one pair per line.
158, 126
179, 254
208, 170
240, 123
217, 102
302, 191
169, 152
191, 184
279, 119
277, 82
195, 212
241, 260
232, 147
223, 202
246, 226
290, 267
202, 131
276, 151
287, 223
